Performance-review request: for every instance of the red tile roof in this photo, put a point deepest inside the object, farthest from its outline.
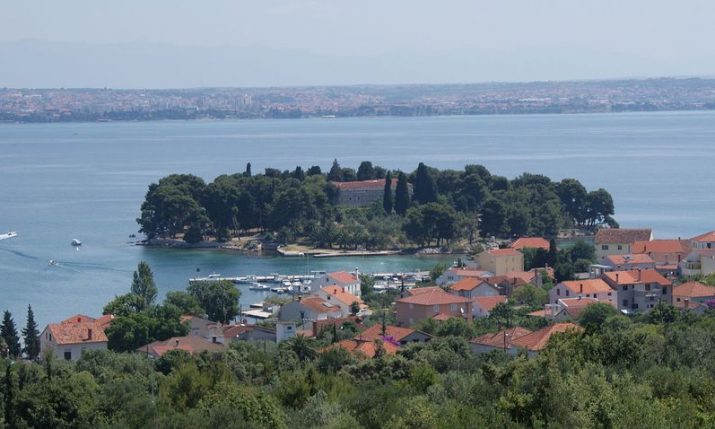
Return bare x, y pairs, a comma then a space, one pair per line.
433, 297
575, 306
318, 305
191, 344
694, 290
341, 295
622, 235
538, 340
442, 317
588, 286
498, 339
363, 184
705, 238
80, 329
375, 332
640, 258
343, 277
489, 302
420, 290
366, 349
530, 243
660, 246
632, 277
467, 284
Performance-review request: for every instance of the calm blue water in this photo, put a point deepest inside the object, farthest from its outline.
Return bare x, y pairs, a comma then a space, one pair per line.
61, 181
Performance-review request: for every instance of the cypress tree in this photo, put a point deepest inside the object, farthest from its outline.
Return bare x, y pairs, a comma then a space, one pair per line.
247, 173
387, 199
9, 399
143, 285
336, 173
31, 336
425, 188
402, 195
8, 331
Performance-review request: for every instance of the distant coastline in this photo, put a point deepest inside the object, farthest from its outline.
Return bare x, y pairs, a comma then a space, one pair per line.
419, 100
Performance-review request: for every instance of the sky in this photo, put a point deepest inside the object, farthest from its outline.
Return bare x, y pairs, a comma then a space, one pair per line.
186, 43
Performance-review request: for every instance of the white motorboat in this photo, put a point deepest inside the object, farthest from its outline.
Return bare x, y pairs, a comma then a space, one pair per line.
258, 286
7, 235
76, 242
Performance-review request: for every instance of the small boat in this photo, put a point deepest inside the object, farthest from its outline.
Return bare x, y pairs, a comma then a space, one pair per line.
76, 243
52, 263
258, 286
7, 235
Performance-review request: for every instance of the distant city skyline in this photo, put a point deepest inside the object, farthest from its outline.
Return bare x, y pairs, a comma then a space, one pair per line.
183, 44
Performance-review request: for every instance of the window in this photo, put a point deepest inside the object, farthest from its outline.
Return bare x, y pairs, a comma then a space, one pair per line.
411, 306
453, 307
435, 308
635, 306
609, 293
568, 292
625, 288
665, 291
620, 247
625, 303
647, 287
678, 299
68, 355
558, 291
604, 247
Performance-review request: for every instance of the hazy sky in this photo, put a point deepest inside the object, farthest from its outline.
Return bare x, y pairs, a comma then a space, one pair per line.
170, 43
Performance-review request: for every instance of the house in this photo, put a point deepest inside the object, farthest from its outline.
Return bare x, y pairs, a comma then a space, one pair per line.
470, 287
588, 288
365, 349
309, 308
362, 192
537, 341
531, 243
701, 258
667, 254
339, 296
501, 261
343, 279
692, 295
424, 305
248, 333
191, 344
565, 309
483, 305
639, 261
501, 340
639, 290
393, 334
618, 241
71, 337
455, 274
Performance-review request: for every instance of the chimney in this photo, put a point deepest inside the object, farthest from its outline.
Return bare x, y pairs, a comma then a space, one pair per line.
89, 334
177, 343
580, 288
617, 275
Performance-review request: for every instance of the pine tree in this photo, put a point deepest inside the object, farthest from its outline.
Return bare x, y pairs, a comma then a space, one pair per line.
387, 199
247, 173
336, 173
143, 285
31, 336
402, 195
8, 331
425, 188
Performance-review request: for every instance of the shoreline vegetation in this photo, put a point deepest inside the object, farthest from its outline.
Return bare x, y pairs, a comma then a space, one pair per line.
365, 212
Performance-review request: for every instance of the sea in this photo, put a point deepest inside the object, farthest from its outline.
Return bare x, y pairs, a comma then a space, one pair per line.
87, 180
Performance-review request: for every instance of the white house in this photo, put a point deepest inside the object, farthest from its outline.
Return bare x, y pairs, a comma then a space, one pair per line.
71, 337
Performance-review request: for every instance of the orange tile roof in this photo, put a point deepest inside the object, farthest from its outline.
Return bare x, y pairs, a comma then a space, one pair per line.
78, 318
498, 339
632, 277
504, 252
575, 306
705, 238
640, 258
694, 290
433, 297
467, 283
526, 276
375, 332
622, 235
530, 243
489, 302
318, 304
538, 340
589, 286
68, 332
442, 317
367, 349
341, 295
660, 246
343, 277
363, 184
191, 344
421, 290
